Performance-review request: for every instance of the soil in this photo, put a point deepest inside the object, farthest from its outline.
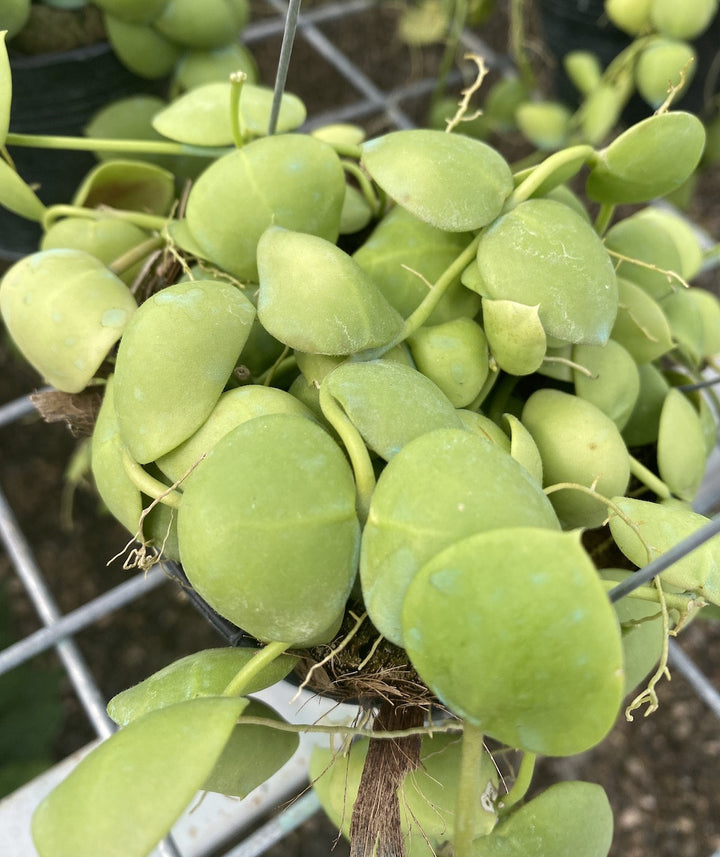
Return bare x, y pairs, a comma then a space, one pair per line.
660, 772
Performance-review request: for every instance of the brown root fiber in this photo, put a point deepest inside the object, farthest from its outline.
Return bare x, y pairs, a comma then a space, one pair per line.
375, 829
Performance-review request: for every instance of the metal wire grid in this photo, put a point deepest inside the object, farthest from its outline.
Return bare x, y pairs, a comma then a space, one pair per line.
58, 629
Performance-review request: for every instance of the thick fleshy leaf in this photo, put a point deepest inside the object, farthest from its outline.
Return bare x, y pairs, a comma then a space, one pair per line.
212, 24
5, 89
686, 325
451, 181
404, 253
524, 449
201, 117
473, 631
119, 493
515, 335
289, 180
647, 242
390, 404
17, 196
641, 624
252, 754
268, 530
642, 427
316, 299
455, 356
580, 444
461, 484
174, 361
133, 185
661, 527
126, 795
681, 446
614, 381
648, 160
233, 408
568, 818
641, 326
542, 254
196, 68
205, 673
141, 48
65, 310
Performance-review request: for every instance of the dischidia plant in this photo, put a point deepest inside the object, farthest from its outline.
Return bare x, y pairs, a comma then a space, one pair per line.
429, 468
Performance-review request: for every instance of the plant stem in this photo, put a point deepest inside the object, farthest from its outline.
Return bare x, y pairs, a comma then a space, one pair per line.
676, 601
649, 479
420, 315
151, 222
237, 79
255, 665
469, 789
604, 216
455, 26
135, 254
545, 170
522, 782
147, 484
356, 449
122, 147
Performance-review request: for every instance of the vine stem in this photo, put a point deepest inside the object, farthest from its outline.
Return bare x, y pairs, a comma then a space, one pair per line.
153, 222
680, 602
355, 446
147, 484
649, 479
522, 782
101, 144
469, 787
135, 254
422, 313
256, 664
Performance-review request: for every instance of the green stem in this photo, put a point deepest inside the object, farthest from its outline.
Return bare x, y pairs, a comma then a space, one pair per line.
364, 184
256, 664
422, 313
147, 484
346, 150
239, 131
135, 254
469, 788
604, 217
677, 601
552, 165
518, 43
356, 449
649, 479
522, 782
151, 222
122, 147
459, 15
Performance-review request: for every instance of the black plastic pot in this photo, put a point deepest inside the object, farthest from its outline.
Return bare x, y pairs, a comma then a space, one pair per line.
569, 25
58, 94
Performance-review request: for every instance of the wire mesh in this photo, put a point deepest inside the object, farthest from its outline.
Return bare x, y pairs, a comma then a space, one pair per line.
370, 99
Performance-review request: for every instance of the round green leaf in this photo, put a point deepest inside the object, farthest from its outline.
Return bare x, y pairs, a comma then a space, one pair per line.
126, 795
141, 48
515, 335
212, 24
664, 63
233, 408
174, 361
648, 160
197, 68
289, 180
268, 531
316, 299
580, 444
462, 483
542, 254
65, 310
641, 326
201, 117
125, 184
252, 754
17, 196
567, 818
473, 631
680, 446
661, 527
205, 673
614, 381
390, 404
451, 181
642, 427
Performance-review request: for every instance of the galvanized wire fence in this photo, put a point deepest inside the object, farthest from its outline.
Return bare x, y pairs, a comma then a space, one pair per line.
214, 824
